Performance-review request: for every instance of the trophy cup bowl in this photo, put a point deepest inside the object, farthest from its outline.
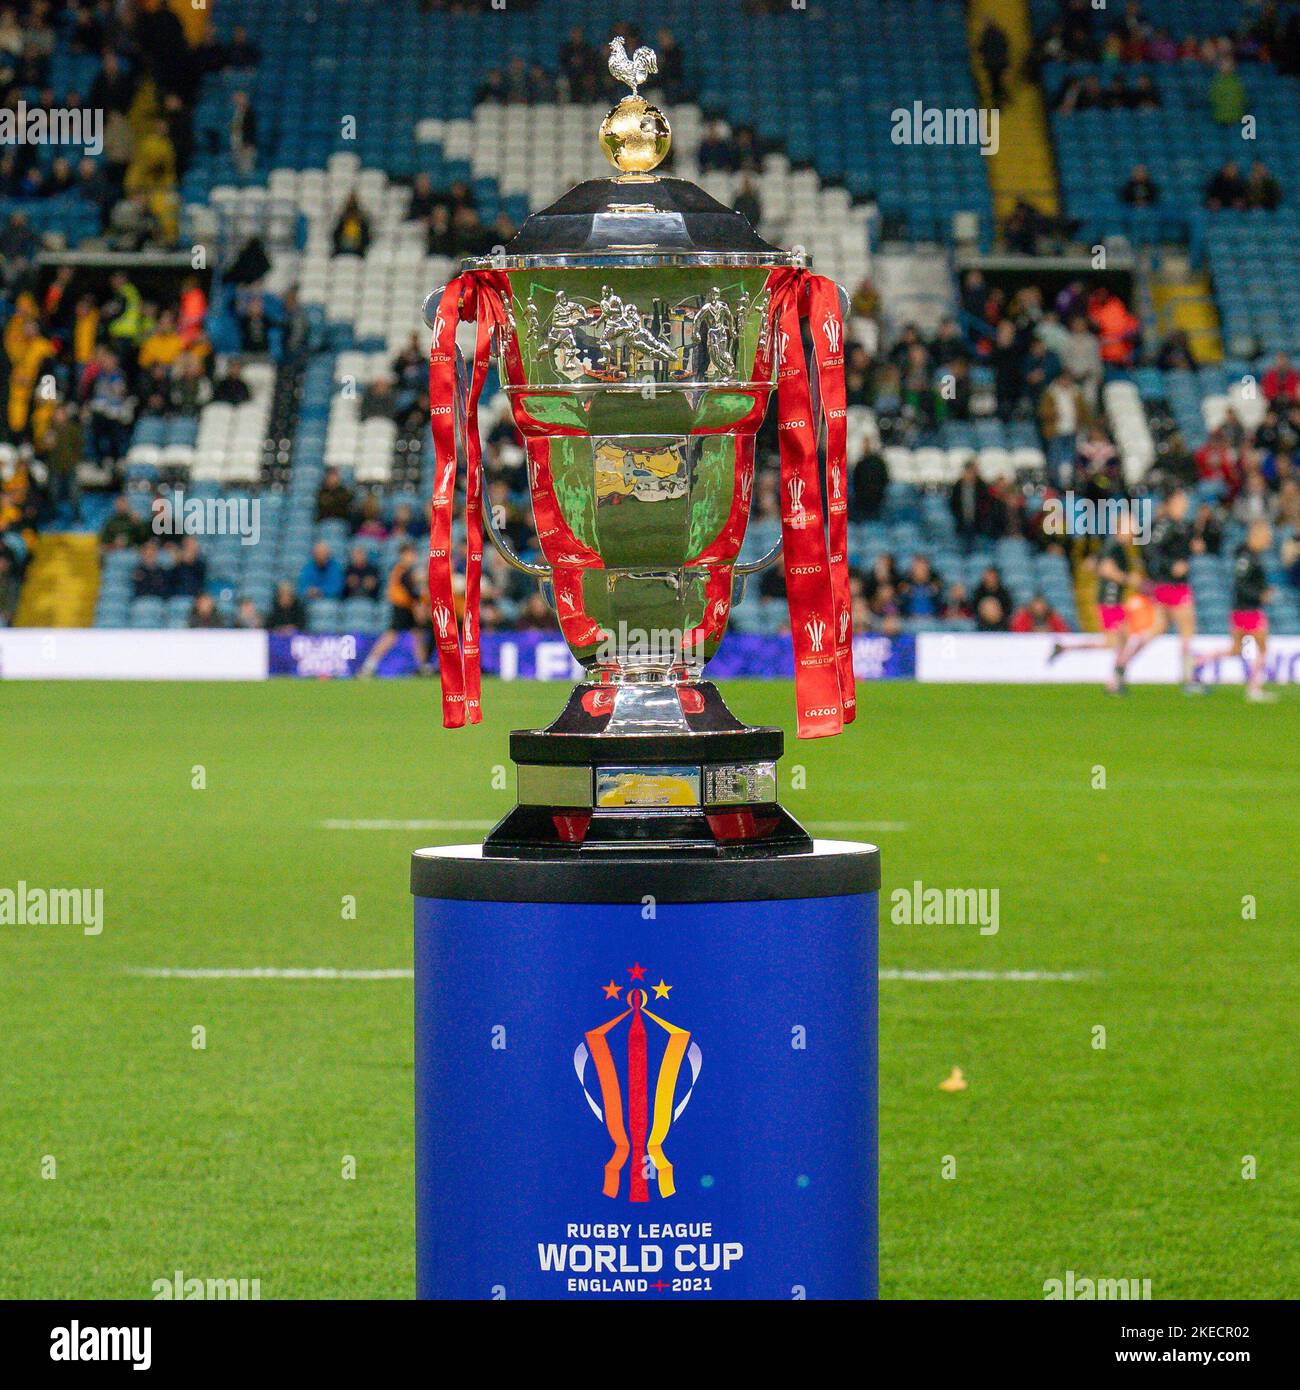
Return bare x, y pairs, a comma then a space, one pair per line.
639, 383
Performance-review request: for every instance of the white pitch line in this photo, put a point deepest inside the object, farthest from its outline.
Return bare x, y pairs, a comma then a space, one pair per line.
267, 972
1016, 976
880, 827
407, 824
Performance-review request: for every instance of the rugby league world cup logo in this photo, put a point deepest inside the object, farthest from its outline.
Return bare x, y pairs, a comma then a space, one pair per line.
625, 1055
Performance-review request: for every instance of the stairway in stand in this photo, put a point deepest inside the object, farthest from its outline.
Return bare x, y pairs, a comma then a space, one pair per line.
1085, 589
62, 581
1183, 298
1023, 167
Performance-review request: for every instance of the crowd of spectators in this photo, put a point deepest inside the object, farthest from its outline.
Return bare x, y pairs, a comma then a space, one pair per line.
83, 358
80, 363
583, 73
1225, 93
1248, 471
1046, 356
1088, 33
454, 227
151, 65
890, 594
169, 566
1082, 33
1022, 356
1256, 189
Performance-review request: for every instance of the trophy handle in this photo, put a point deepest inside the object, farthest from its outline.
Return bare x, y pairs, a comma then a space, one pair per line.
503, 546
499, 542
742, 571
745, 569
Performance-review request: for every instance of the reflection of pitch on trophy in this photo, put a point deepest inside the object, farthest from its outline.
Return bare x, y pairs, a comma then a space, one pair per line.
650, 475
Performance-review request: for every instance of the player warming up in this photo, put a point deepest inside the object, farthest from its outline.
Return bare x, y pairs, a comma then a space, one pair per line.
1113, 578
1250, 592
1168, 562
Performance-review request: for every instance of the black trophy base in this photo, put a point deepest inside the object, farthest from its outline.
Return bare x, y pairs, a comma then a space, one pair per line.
632, 769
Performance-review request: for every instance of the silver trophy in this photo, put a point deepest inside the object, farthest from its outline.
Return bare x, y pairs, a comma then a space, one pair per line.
638, 367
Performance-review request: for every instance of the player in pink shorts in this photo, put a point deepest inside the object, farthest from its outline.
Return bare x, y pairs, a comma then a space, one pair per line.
1250, 592
1172, 595
1168, 561
1113, 578
1113, 616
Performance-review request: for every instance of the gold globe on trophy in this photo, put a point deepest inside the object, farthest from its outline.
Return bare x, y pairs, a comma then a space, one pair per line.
635, 135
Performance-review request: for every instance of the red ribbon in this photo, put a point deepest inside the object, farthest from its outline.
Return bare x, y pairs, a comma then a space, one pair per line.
466, 298
816, 573
828, 353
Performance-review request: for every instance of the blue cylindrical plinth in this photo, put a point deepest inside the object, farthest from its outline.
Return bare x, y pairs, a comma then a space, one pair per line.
646, 1078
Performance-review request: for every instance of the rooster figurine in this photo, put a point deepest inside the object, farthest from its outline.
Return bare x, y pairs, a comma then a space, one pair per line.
635, 136
633, 70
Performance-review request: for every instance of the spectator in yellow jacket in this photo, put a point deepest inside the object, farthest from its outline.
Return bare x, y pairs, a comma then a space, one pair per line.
25, 312
152, 173
164, 345
85, 330
32, 350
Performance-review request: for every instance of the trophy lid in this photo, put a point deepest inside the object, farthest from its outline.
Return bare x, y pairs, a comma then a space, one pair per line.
637, 218
604, 221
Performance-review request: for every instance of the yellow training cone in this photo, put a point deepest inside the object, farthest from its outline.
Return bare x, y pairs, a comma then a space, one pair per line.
956, 1082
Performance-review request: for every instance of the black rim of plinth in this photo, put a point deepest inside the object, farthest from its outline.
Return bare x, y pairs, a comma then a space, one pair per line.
637, 750
629, 878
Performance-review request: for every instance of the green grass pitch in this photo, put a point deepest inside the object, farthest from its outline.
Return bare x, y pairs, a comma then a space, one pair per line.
227, 1162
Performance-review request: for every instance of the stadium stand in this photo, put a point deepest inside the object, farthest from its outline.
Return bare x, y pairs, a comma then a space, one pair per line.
332, 202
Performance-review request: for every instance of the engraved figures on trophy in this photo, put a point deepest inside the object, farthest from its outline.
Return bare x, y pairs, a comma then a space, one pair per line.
622, 327
561, 335
715, 331
614, 340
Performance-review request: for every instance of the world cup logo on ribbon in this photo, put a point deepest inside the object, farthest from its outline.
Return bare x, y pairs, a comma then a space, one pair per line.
816, 630
833, 331
639, 1125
